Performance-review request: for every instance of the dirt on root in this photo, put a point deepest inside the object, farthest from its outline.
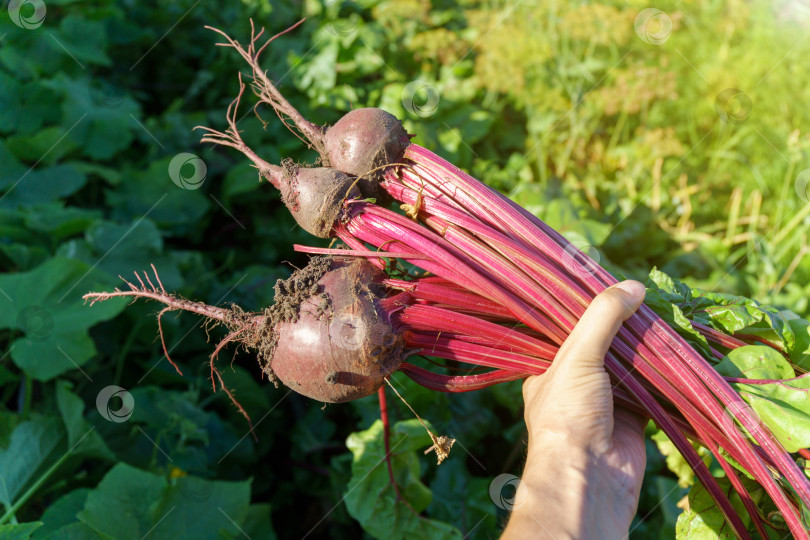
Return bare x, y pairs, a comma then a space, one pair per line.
260, 333
299, 287
288, 195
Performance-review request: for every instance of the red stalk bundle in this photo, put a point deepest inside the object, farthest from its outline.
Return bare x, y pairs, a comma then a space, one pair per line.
490, 253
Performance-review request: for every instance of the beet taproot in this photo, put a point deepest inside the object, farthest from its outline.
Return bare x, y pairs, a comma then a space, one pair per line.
332, 341
363, 142
315, 197
326, 336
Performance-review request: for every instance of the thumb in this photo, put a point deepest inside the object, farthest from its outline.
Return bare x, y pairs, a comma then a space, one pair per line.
575, 396
590, 340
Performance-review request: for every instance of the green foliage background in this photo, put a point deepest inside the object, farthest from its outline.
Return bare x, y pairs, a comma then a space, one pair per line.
634, 150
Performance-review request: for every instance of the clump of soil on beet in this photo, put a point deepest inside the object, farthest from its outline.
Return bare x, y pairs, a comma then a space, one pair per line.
290, 294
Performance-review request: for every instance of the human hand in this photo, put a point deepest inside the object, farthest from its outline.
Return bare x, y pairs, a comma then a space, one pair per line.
585, 458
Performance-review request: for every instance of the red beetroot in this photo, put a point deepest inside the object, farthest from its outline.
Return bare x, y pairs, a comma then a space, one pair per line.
314, 195
332, 340
363, 142
326, 337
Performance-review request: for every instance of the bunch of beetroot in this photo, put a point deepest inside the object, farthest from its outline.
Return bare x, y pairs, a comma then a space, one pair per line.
498, 289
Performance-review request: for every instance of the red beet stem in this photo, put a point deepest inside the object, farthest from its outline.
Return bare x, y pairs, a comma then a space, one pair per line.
458, 383
434, 319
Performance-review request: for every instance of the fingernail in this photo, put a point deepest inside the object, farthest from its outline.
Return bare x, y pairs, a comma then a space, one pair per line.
633, 288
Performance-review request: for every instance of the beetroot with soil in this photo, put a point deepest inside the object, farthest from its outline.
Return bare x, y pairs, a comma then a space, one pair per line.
326, 337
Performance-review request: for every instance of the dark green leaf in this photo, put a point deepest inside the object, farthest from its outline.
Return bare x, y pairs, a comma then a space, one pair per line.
82, 437
77, 531
242, 178
195, 439
62, 512
59, 221
9, 108
120, 249
129, 503
25, 186
24, 107
463, 500
257, 523
21, 531
100, 131
32, 447
47, 145
45, 305
372, 499
85, 39
152, 194
24, 257
126, 504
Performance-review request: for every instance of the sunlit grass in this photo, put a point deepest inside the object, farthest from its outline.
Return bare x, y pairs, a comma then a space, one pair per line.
699, 116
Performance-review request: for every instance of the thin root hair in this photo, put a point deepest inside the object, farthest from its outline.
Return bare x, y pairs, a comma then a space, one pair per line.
267, 92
